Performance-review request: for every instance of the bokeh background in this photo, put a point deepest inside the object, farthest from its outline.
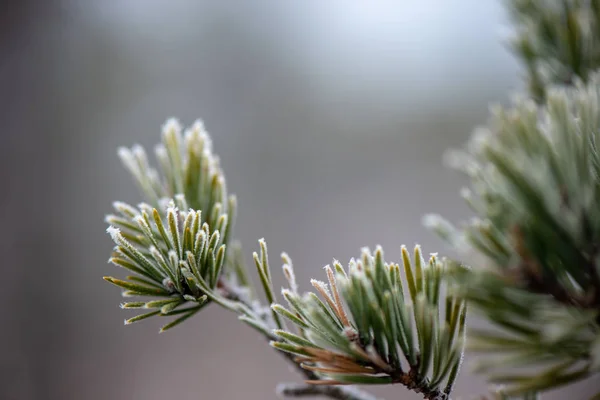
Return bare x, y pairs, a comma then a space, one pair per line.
331, 119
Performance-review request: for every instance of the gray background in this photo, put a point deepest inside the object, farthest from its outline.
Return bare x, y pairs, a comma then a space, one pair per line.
330, 118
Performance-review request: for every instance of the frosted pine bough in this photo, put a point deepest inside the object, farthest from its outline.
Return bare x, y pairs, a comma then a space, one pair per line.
368, 327
181, 238
535, 187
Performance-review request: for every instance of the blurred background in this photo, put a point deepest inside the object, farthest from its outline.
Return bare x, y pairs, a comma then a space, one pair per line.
331, 119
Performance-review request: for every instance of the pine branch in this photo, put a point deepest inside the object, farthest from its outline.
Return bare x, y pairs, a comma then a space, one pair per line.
364, 333
182, 235
332, 348
167, 255
535, 188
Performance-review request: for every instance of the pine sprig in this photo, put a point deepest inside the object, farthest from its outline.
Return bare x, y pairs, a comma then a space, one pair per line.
169, 256
535, 188
368, 327
180, 237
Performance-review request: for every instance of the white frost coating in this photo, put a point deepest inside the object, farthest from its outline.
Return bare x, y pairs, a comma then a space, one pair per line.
198, 139
115, 233
195, 131
124, 153
444, 228
306, 297
466, 193
291, 277
139, 153
140, 220
180, 202
145, 207
379, 249
321, 286
208, 144
432, 220
200, 238
173, 257
125, 209
198, 125
216, 237
339, 269
171, 127
189, 216
354, 267
128, 159
163, 203
214, 162
172, 212
161, 152
480, 139
154, 251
